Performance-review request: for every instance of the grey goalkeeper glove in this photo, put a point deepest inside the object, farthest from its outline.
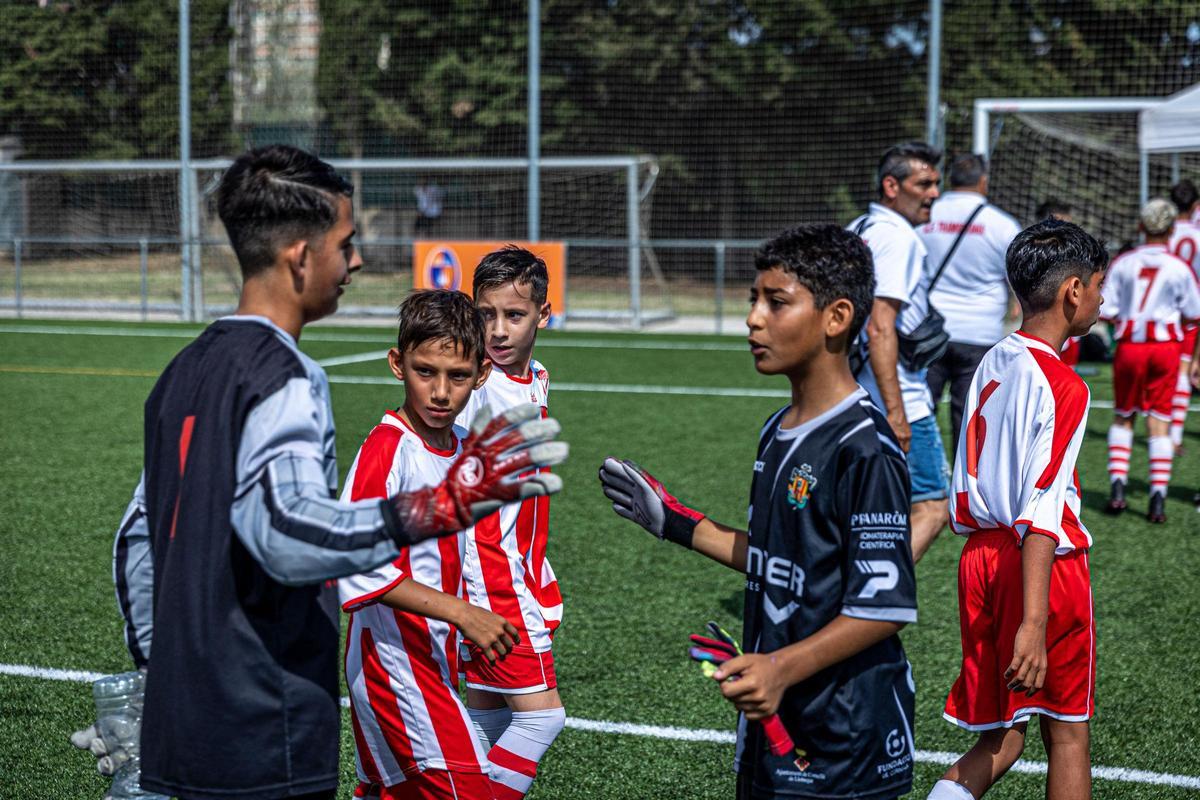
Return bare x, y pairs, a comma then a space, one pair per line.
638, 496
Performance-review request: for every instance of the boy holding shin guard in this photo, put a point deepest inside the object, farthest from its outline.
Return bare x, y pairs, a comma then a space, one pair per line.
1024, 589
827, 557
412, 734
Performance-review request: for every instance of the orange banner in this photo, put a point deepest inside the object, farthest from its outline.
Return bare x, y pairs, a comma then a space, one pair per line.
451, 265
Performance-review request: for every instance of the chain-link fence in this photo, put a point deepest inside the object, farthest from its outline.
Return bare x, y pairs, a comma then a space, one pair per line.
742, 117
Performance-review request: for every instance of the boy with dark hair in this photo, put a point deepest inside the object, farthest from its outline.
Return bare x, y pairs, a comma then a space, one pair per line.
416, 741
226, 552
1024, 593
515, 705
827, 557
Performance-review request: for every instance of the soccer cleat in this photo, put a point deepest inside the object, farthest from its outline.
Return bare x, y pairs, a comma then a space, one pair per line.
1196, 501
1116, 498
1158, 508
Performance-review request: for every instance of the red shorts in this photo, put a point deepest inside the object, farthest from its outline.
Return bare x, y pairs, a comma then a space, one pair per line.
1144, 378
434, 784
990, 607
522, 671
1189, 342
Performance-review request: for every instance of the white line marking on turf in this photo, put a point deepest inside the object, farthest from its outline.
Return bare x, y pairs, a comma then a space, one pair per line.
672, 733
356, 358
327, 335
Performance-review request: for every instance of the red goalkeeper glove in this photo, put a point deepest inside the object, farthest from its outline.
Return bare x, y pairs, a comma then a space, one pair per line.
499, 463
639, 496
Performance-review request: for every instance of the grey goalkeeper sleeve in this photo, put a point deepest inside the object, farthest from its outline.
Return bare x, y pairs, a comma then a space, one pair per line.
133, 576
284, 511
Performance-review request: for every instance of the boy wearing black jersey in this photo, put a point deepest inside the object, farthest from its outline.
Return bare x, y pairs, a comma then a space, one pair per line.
827, 557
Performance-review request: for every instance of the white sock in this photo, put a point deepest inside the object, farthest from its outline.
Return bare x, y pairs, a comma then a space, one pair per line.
515, 757
949, 790
1120, 445
490, 724
1179, 406
1162, 453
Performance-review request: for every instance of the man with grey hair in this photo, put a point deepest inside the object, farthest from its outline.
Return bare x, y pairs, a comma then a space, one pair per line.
897, 350
1149, 296
967, 238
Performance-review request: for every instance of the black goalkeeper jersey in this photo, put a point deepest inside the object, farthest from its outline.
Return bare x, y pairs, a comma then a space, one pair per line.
829, 535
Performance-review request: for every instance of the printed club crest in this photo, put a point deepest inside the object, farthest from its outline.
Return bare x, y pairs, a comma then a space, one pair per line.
801, 485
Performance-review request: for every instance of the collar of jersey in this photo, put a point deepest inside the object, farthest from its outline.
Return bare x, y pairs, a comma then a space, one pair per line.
1034, 341
875, 209
287, 337
394, 419
804, 428
525, 380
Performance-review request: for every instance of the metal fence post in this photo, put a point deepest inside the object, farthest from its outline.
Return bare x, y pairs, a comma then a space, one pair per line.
185, 155
17, 274
144, 263
634, 232
719, 253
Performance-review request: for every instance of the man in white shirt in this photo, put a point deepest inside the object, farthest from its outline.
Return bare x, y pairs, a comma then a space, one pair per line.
1185, 243
967, 239
907, 185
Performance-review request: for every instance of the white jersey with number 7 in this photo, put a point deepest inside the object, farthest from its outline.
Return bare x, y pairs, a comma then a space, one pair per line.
1149, 294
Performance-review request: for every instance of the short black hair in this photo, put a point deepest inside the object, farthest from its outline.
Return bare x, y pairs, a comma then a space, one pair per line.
1052, 207
441, 315
1045, 254
896, 161
1184, 195
829, 261
273, 196
967, 170
512, 264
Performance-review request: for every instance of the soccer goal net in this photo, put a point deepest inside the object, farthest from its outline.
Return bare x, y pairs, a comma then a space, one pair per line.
1079, 152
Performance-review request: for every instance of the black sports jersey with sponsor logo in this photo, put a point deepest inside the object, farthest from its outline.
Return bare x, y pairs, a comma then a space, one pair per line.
829, 535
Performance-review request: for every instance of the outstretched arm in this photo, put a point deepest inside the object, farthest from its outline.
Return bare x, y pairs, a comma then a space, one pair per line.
638, 496
285, 517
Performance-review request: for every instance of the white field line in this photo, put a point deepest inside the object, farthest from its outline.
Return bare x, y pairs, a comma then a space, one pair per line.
327, 335
941, 758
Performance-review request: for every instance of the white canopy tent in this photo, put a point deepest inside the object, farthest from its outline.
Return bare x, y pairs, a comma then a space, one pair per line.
1172, 126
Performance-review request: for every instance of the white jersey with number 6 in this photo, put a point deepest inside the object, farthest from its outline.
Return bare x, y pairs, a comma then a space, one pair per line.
1015, 464
1149, 294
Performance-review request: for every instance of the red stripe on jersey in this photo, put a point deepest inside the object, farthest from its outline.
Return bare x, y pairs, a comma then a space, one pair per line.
360, 742
384, 705
451, 564
374, 462
1070, 404
455, 739
962, 510
497, 577
1073, 530
512, 762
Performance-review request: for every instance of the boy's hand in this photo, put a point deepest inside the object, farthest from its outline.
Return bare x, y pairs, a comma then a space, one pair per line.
638, 496
754, 683
486, 474
491, 633
1027, 672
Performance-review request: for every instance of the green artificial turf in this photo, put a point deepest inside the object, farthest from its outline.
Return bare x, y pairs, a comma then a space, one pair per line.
71, 450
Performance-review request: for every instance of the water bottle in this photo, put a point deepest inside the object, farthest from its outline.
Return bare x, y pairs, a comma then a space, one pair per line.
118, 728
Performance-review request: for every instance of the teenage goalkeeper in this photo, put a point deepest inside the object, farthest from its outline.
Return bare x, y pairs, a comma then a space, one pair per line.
226, 552
828, 561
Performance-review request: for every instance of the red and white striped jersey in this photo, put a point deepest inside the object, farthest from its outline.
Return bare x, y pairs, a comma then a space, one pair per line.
402, 668
1015, 463
505, 568
1185, 243
1149, 295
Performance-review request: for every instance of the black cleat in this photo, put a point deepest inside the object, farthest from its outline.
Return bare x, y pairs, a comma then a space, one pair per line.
1158, 508
1116, 498
1196, 501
